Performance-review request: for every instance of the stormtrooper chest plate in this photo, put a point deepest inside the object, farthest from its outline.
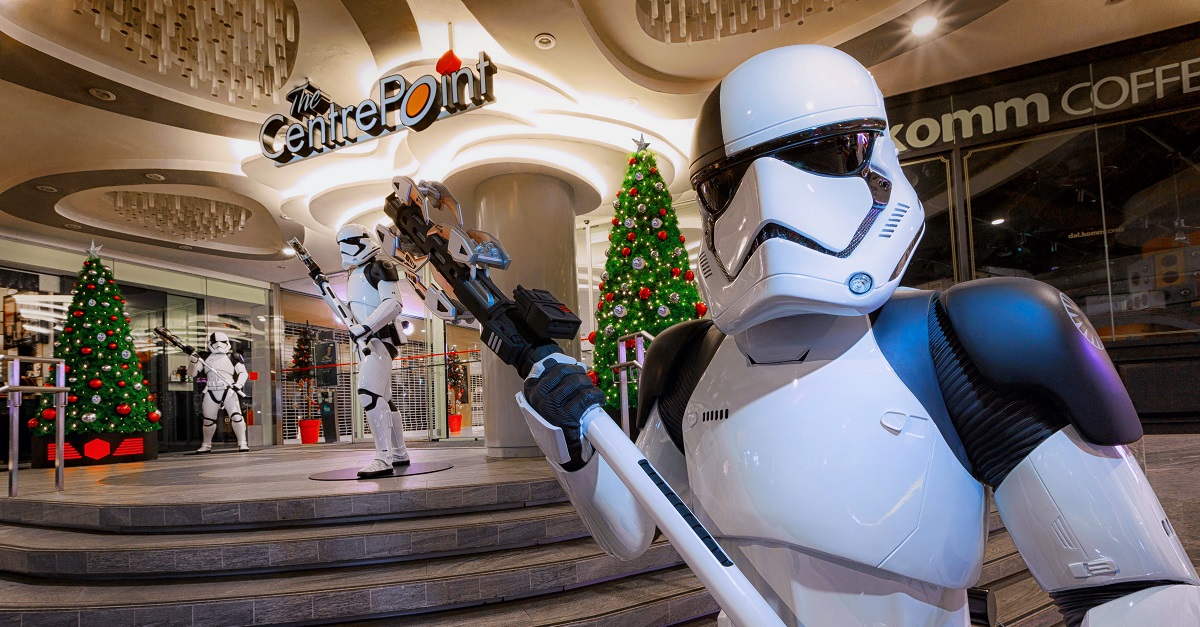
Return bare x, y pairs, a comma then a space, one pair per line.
361, 296
831, 455
219, 362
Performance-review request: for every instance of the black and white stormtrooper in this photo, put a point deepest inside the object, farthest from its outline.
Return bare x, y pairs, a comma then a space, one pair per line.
836, 435
225, 376
373, 296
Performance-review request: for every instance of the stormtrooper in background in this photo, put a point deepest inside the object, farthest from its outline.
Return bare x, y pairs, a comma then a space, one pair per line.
836, 435
373, 295
225, 376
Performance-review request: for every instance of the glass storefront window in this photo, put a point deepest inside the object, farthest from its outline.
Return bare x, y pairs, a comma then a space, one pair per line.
932, 266
1151, 183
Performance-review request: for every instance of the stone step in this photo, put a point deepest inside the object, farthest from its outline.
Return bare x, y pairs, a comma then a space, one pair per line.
668, 597
1021, 602
70, 554
1000, 559
327, 595
181, 516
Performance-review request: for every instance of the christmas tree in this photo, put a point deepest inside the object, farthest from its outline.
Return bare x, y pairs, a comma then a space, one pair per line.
302, 367
456, 378
108, 392
646, 285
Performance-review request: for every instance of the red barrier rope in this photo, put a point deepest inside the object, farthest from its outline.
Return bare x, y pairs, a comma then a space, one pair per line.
474, 350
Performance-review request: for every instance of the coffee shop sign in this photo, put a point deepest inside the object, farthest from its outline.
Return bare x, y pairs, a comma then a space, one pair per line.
1092, 97
319, 125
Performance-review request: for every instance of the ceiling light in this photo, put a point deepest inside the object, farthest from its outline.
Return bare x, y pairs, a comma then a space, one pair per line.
287, 250
997, 221
102, 94
924, 25
545, 41
73, 227
184, 247
285, 216
155, 176
183, 216
47, 189
630, 102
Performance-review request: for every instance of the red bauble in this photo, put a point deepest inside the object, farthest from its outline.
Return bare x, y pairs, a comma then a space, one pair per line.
701, 309
68, 329
682, 239
78, 313
654, 170
49, 413
91, 286
152, 397
600, 306
662, 213
675, 271
71, 398
644, 293
689, 275
113, 318
86, 350
109, 332
626, 251
630, 344
619, 192
153, 416
632, 160
601, 286
616, 221
124, 366
610, 236
662, 235
127, 319
608, 297
594, 377
631, 236
32, 423
95, 384
124, 409
112, 346
120, 384
592, 337
633, 191
145, 381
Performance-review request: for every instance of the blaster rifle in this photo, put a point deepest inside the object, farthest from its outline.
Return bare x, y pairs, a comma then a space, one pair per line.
170, 338
340, 310
521, 331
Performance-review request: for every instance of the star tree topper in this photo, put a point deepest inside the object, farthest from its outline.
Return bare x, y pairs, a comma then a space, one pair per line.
94, 250
641, 142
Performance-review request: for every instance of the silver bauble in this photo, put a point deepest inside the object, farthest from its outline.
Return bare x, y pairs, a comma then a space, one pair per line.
629, 223
125, 354
663, 311
642, 208
91, 302
88, 417
100, 280
604, 277
137, 386
674, 297
100, 337
638, 176
609, 330
654, 253
656, 223
87, 325
106, 368
96, 399
620, 311
72, 379
616, 204
638, 263
658, 186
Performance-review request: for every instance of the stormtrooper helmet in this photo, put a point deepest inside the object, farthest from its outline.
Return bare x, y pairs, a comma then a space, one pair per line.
218, 343
804, 205
357, 245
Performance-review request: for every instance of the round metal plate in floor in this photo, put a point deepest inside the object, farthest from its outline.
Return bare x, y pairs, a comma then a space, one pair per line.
351, 474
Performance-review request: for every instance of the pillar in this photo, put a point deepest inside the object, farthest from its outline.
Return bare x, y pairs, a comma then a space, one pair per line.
532, 215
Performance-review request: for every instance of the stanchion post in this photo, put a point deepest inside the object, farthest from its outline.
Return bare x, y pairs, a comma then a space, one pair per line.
14, 424
60, 422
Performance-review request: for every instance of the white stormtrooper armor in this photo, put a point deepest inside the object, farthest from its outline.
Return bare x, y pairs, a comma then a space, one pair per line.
836, 435
373, 296
225, 375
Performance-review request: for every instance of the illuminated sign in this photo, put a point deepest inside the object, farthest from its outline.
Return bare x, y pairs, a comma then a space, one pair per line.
319, 125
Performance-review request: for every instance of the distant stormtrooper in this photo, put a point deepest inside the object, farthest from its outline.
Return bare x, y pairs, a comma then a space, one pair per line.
225, 378
373, 295
836, 435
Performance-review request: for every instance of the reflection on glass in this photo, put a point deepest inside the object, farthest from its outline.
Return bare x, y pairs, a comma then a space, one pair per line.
932, 266
1035, 212
1151, 186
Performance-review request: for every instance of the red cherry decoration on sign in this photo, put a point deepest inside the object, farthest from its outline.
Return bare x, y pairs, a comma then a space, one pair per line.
124, 409
49, 413
449, 63
689, 275
120, 384
86, 350
71, 398
675, 271
625, 251
644, 293
592, 337
701, 309
615, 221
662, 235
95, 384
77, 313
631, 236
153, 416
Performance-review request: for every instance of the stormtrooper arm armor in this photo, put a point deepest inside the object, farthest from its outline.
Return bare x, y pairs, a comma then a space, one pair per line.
196, 364
1044, 418
240, 375
385, 278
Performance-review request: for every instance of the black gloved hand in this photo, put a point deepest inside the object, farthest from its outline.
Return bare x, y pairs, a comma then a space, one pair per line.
561, 395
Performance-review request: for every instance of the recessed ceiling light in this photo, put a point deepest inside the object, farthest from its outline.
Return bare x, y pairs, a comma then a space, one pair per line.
997, 221
155, 176
73, 227
47, 189
630, 102
545, 41
102, 94
924, 25
285, 216
184, 247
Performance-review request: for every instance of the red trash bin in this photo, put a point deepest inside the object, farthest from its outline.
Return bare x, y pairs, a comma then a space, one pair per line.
455, 423
310, 431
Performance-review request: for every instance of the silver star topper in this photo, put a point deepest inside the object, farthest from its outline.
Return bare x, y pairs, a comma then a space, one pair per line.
641, 142
94, 250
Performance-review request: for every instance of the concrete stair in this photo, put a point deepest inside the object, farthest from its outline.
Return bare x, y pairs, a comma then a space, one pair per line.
1016, 599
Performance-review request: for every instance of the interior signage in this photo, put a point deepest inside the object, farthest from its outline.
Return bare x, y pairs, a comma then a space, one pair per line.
1154, 78
319, 126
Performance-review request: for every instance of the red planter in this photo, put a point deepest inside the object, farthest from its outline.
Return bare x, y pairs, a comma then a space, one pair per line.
310, 431
454, 421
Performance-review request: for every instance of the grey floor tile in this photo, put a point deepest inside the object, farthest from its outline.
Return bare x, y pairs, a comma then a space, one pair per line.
166, 616
223, 614
120, 617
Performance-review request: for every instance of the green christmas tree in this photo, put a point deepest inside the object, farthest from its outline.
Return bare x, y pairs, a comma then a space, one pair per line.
302, 371
108, 392
456, 378
646, 285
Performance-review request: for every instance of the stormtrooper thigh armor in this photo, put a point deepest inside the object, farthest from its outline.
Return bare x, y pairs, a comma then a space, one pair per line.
225, 375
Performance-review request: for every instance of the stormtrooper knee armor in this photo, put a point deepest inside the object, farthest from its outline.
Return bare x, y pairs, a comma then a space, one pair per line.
225, 376
836, 435
373, 295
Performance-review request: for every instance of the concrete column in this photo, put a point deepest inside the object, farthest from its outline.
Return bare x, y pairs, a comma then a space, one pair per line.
532, 216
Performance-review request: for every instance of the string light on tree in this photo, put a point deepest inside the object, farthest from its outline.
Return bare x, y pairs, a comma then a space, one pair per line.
647, 285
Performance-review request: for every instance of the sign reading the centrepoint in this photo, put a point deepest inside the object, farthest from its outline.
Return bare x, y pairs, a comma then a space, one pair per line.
321, 125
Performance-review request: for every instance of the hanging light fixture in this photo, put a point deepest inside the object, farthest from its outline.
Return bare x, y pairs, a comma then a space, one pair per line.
234, 49
685, 21
185, 217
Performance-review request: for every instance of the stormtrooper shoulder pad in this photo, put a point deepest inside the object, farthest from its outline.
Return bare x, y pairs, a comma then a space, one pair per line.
237, 358
675, 361
378, 270
1022, 333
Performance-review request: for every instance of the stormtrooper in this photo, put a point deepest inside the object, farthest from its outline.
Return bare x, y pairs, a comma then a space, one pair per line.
836, 435
225, 377
373, 296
